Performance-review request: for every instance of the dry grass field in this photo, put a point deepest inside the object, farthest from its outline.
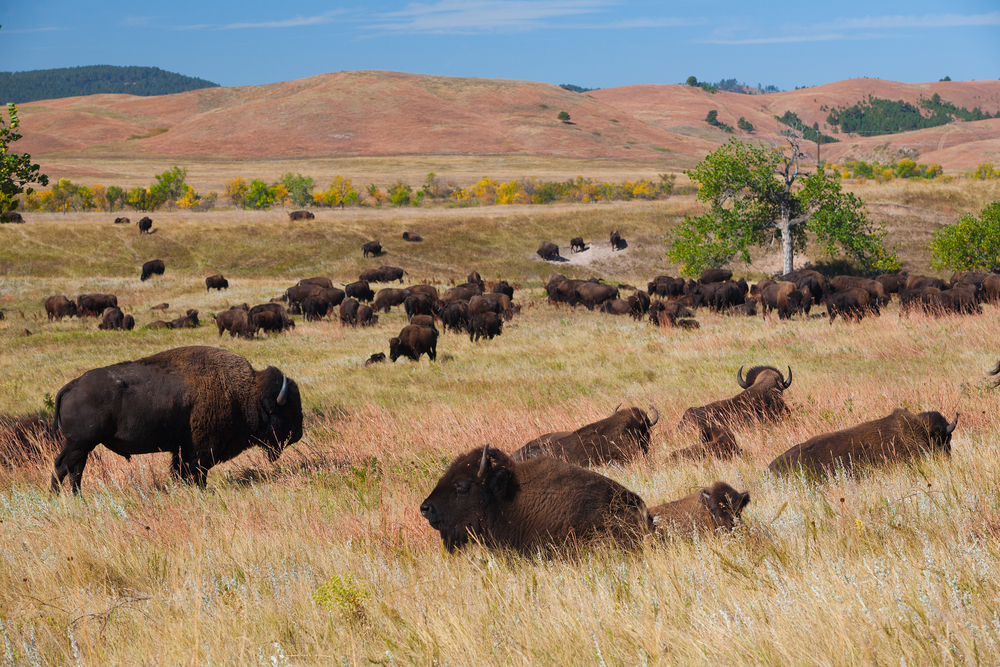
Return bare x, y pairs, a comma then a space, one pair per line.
323, 557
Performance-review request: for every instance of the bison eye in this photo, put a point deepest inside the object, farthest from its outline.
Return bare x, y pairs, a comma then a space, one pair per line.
462, 487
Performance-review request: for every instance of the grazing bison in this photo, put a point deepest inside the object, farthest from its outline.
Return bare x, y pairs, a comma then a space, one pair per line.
503, 287
94, 304
237, 322
761, 400
484, 325
145, 224
851, 304
128, 323
892, 283
620, 438
430, 290
112, 320
388, 297
299, 293
783, 297
376, 358
203, 405
301, 215
668, 314
461, 293
216, 282
366, 317
412, 237
58, 307
617, 307
160, 306
360, 290
525, 506
898, 437
122, 221
418, 304
715, 442
616, 240
548, 251
423, 321
705, 511
153, 267
11, 216
576, 244
390, 273
592, 294
277, 321
455, 316
373, 248
709, 276
414, 341
349, 312
314, 308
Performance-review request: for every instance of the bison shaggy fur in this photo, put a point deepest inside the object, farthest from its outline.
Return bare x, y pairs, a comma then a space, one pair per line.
718, 507
58, 307
414, 341
216, 282
154, 267
620, 438
762, 399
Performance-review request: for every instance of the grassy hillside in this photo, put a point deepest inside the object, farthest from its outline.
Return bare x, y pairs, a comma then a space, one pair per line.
49, 84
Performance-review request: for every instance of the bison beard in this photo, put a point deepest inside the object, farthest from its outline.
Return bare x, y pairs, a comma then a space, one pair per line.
543, 503
203, 405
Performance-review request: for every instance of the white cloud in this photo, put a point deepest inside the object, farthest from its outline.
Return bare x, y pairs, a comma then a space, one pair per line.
298, 21
776, 40
476, 16
926, 21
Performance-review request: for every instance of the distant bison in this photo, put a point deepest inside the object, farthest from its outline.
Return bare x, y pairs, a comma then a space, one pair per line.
145, 224
203, 405
11, 216
616, 240
707, 510
899, 437
94, 305
128, 323
412, 237
301, 215
761, 400
414, 341
153, 267
548, 251
113, 319
359, 290
269, 317
576, 244
851, 304
216, 282
58, 307
236, 321
529, 505
122, 221
189, 321
373, 248
620, 438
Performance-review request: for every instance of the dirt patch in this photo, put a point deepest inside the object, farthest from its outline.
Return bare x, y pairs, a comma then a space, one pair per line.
599, 251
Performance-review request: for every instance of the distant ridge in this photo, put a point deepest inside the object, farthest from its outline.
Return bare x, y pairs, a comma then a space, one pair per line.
49, 84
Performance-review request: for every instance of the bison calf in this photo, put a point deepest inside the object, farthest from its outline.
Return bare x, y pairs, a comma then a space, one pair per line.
707, 510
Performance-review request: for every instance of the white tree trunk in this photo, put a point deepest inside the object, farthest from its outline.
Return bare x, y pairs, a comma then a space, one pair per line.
787, 247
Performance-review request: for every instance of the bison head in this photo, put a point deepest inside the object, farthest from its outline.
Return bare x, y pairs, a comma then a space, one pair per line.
938, 430
394, 349
764, 375
725, 504
282, 408
471, 490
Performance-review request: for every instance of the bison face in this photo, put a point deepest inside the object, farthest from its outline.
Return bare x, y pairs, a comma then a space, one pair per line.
938, 430
394, 349
725, 504
282, 406
468, 494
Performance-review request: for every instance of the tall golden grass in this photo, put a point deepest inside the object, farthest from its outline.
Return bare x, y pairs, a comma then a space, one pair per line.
323, 558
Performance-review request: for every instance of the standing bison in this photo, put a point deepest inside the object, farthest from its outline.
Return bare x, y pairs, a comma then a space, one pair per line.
899, 437
145, 224
524, 506
616, 240
359, 290
373, 248
620, 438
762, 399
11, 216
113, 319
203, 405
216, 282
153, 267
412, 342
94, 304
58, 307
576, 244
301, 215
548, 251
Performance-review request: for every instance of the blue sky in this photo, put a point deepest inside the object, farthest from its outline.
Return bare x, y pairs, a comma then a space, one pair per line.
592, 43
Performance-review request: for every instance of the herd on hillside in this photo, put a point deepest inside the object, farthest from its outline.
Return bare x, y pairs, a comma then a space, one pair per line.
206, 405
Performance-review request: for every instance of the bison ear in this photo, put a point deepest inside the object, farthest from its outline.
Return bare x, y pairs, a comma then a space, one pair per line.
495, 475
742, 500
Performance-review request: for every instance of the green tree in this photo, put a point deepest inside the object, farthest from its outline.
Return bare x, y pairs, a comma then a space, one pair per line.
16, 171
141, 199
300, 188
971, 244
64, 195
744, 124
400, 193
115, 195
563, 116
756, 195
712, 118
169, 186
692, 81
260, 196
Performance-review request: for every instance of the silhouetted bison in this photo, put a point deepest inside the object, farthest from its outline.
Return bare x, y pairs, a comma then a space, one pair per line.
359, 290
153, 267
301, 215
58, 307
899, 437
237, 322
203, 405
94, 305
413, 341
216, 282
122, 221
616, 240
576, 244
484, 325
145, 224
412, 237
372, 248
705, 511
621, 437
525, 506
761, 400
11, 216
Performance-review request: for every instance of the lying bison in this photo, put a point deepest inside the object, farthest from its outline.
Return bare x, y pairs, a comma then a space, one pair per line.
621, 438
412, 342
203, 405
412, 237
301, 215
153, 267
525, 506
707, 510
373, 248
112, 320
216, 282
58, 307
899, 437
122, 221
762, 399
11, 216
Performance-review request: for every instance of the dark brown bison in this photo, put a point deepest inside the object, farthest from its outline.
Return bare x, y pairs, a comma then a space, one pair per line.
622, 437
349, 312
189, 321
461, 293
128, 323
237, 322
707, 510
455, 316
429, 290
783, 297
503, 287
525, 506
216, 282
314, 309
58, 307
709, 276
548, 251
414, 341
418, 304
376, 358
484, 325
318, 281
122, 221
616, 240
278, 320
112, 320
899, 437
373, 248
359, 290
716, 442
919, 282
761, 400
876, 291
153, 267
11, 216
371, 275
94, 305
592, 294
666, 287
301, 215
892, 283
668, 314
203, 405
423, 321
412, 237
366, 317
747, 309
299, 293
388, 297
616, 307
391, 273
851, 304
576, 244
145, 224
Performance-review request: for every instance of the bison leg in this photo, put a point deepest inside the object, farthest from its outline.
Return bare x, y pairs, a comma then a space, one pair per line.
432, 353
71, 460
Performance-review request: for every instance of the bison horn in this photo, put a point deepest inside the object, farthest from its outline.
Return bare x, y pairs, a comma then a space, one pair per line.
283, 394
616, 409
739, 379
482, 464
656, 416
951, 426
788, 382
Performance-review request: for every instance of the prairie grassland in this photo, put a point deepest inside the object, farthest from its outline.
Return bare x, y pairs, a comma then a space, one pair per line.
323, 557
